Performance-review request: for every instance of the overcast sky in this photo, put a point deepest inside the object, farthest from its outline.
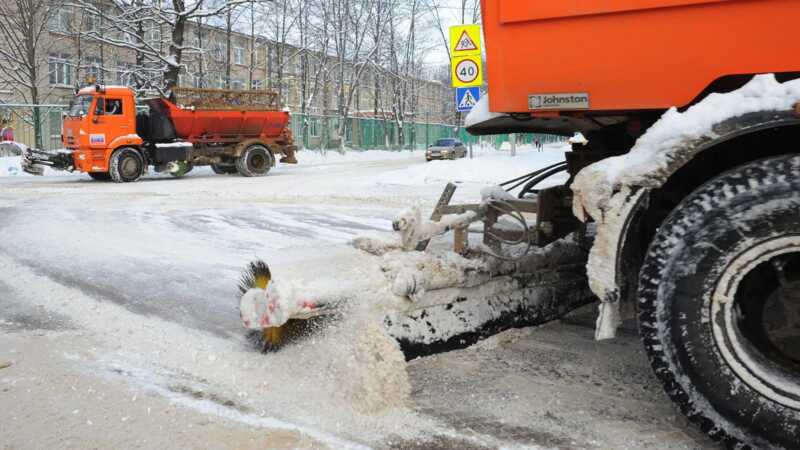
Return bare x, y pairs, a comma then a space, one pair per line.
450, 11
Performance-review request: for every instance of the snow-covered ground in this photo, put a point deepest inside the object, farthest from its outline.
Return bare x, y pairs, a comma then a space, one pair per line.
133, 287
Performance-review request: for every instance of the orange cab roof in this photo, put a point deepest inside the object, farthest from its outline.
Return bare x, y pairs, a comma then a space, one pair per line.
112, 90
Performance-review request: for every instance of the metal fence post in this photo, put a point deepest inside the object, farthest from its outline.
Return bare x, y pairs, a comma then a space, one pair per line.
513, 138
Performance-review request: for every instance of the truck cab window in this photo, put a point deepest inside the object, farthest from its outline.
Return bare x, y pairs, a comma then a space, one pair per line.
80, 105
113, 106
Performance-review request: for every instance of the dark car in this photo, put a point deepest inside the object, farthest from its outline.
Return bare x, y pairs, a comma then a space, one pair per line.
446, 148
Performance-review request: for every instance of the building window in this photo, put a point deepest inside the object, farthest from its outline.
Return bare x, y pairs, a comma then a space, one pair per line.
238, 55
60, 21
153, 36
237, 84
220, 52
313, 127
257, 85
93, 22
221, 81
126, 36
254, 57
59, 69
298, 65
94, 71
125, 74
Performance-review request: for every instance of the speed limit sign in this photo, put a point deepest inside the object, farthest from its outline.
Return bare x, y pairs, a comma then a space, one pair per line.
467, 71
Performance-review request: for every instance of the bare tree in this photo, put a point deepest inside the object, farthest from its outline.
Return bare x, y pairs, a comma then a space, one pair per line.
137, 25
23, 46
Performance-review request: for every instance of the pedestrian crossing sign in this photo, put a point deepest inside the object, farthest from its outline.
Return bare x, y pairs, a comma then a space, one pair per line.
465, 40
467, 98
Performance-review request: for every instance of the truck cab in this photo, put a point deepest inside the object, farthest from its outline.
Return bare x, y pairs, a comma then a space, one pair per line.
100, 120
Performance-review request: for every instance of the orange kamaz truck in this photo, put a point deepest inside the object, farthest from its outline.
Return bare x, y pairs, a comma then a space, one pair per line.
686, 181
108, 137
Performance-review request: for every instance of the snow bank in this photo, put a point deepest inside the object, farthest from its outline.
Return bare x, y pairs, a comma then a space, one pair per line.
10, 166
489, 167
316, 157
655, 153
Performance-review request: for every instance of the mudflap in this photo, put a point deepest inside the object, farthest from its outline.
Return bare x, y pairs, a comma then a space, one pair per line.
455, 318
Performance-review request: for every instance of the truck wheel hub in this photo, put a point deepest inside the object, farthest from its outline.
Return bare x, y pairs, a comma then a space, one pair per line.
130, 167
257, 161
755, 311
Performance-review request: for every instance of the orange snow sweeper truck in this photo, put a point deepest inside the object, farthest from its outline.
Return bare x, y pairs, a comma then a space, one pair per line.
105, 135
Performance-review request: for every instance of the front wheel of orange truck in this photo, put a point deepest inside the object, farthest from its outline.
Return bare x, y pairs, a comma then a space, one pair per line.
126, 165
719, 305
255, 161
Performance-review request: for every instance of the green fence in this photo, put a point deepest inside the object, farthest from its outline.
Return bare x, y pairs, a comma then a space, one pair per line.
370, 133
27, 119
321, 132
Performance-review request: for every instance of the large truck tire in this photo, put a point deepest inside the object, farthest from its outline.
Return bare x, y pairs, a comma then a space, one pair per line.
126, 165
719, 297
255, 161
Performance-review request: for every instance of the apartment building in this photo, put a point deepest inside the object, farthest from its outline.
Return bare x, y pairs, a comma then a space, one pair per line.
73, 59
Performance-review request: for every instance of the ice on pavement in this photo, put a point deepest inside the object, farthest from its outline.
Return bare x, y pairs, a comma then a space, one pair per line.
150, 270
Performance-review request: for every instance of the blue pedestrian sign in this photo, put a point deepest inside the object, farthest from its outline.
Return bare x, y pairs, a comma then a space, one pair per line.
467, 98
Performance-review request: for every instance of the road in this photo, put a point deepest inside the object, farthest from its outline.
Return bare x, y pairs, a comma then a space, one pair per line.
118, 292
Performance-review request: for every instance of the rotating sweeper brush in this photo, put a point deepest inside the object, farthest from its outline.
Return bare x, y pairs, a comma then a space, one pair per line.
274, 315
447, 296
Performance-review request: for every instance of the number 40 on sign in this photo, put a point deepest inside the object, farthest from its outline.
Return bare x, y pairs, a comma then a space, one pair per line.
467, 71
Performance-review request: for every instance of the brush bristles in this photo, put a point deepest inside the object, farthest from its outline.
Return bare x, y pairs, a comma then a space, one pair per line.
255, 270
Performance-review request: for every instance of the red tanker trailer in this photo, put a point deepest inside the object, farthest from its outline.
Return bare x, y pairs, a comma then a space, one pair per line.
232, 131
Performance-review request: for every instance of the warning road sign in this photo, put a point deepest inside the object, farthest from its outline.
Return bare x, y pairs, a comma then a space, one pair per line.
467, 98
464, 43
467, 71
465, 40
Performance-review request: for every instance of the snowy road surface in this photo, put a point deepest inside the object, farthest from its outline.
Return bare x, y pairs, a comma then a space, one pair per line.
118, 319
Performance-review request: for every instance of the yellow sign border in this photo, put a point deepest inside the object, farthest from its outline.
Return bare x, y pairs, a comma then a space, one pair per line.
474, 33
478, 81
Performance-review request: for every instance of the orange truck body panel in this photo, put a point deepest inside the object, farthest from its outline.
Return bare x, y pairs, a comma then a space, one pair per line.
221, 125
631, 55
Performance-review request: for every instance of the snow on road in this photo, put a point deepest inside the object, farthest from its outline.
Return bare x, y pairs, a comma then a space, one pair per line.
142, 277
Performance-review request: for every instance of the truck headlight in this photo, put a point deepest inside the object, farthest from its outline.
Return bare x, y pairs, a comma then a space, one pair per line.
82, 157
